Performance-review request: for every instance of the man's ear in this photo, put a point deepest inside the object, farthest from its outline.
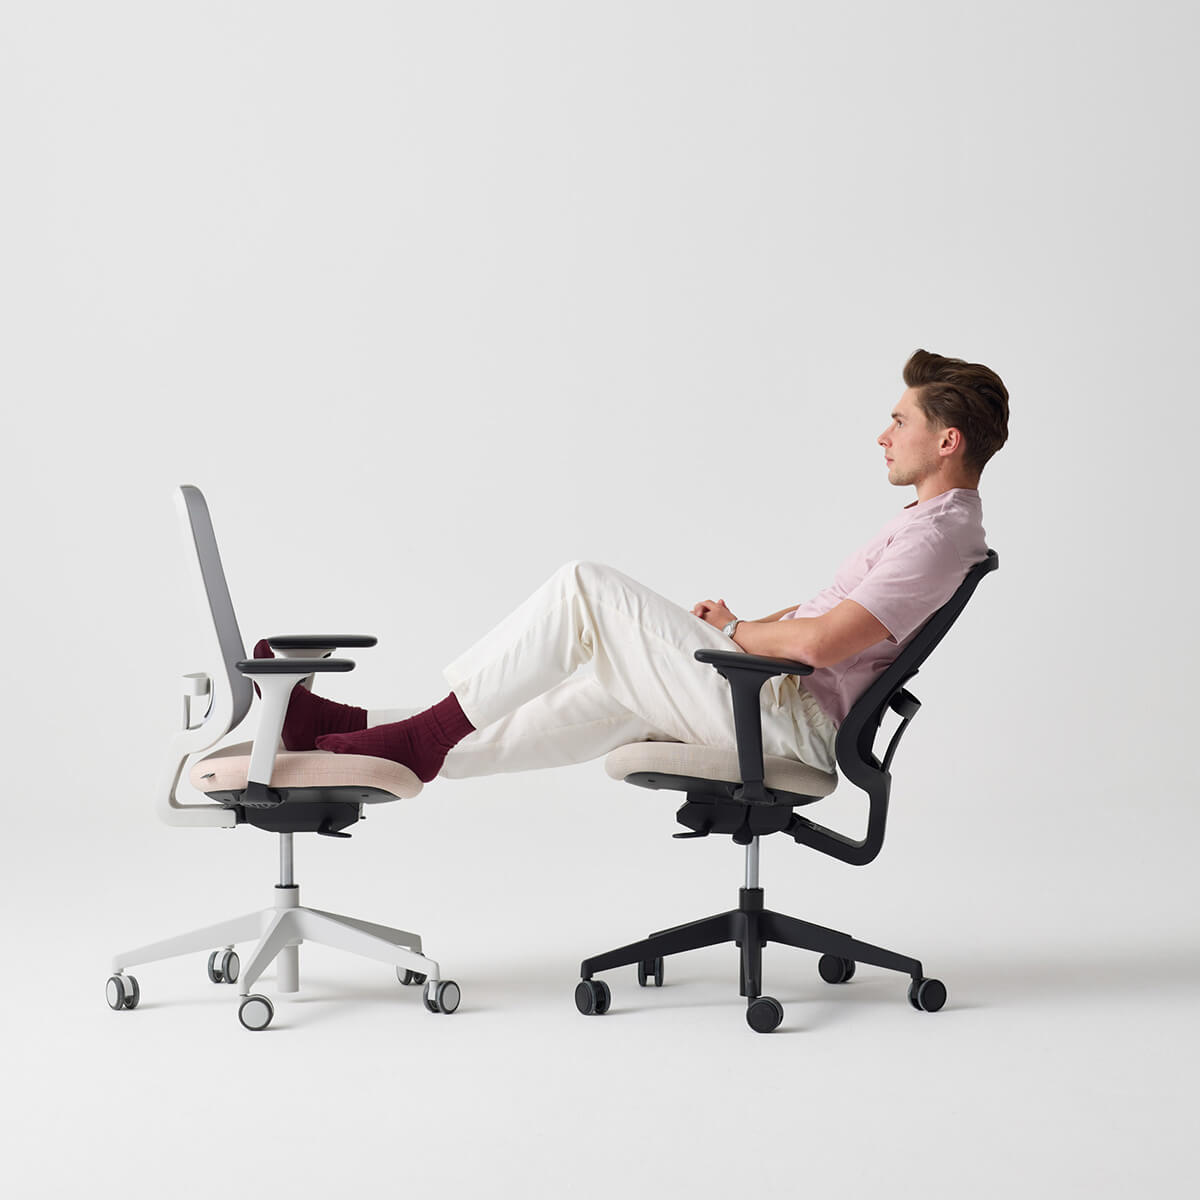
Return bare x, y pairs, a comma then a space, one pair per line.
950, 441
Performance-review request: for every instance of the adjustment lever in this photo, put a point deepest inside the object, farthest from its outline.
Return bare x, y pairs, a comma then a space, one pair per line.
695, 833
325, 829
258, 795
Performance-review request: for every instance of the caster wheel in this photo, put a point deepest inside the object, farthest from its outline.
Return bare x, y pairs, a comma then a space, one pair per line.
255, 1012
592, 997
652, 968
442, 996
836, 970
408, 978
764, 1014
927, 995
122, 992
223, 966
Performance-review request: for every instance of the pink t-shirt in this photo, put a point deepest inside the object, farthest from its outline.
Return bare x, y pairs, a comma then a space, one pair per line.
902, 576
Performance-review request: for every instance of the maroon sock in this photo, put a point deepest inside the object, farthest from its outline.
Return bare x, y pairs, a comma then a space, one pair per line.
309, 716
420, 742
262, 649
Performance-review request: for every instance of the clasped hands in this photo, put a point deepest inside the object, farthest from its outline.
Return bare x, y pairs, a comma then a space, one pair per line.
714, 612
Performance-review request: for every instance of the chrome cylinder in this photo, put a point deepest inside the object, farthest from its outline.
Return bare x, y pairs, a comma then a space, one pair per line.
752, 864
286, 860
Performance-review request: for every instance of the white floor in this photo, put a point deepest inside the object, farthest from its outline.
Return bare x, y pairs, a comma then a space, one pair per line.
1063, 1065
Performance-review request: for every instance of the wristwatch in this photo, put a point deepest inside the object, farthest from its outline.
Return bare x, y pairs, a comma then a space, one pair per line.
727, 630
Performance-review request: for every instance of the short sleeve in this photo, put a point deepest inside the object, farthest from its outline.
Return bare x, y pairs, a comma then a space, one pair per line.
915, 575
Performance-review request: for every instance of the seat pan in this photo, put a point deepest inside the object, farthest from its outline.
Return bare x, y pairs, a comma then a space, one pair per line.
688, 761
226, 770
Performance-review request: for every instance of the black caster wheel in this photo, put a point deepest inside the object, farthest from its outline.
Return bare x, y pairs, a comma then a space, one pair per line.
223, 966
408, 978
927, 995
442, 996
836, 970
592, 997
122, 992
255, 1012
764, 1014
651, 968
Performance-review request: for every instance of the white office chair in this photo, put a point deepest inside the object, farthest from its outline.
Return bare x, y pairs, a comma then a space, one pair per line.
258, 783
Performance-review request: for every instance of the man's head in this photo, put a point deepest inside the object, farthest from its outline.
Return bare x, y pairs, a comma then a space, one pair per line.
952, 418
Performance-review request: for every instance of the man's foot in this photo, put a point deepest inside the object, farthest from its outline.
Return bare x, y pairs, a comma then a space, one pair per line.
420, 742
309, 716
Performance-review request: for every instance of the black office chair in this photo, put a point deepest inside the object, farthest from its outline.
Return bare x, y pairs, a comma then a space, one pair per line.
749, 796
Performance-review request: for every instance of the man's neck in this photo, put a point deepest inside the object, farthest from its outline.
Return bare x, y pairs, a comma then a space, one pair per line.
936, 485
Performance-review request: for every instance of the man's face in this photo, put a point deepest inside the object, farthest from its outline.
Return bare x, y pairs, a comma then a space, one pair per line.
910, 445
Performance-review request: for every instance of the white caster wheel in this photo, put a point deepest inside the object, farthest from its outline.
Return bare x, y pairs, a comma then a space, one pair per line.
442, 996
255, 1012
122, 992
408, 977
223, 966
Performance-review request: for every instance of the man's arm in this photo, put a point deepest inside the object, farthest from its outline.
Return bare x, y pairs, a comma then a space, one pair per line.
846, 630
783, 612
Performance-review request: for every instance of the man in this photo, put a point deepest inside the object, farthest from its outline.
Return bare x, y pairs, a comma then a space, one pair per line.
518, 701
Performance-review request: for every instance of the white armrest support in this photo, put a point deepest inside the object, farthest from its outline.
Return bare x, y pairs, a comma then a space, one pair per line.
276, 678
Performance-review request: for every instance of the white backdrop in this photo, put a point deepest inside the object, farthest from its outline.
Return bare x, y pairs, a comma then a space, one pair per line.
429, 299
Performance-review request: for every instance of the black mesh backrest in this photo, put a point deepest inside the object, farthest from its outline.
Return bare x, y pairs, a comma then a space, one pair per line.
856, 735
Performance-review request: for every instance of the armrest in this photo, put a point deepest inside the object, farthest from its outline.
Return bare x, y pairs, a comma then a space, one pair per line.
293, 666
746, 674
758, 662
321, 641
276, 677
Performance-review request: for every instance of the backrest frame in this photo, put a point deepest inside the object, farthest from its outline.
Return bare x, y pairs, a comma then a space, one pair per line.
855, 744
208, 577
229, 692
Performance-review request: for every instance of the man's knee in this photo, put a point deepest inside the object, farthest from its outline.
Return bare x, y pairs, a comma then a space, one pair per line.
583, 572
589, 578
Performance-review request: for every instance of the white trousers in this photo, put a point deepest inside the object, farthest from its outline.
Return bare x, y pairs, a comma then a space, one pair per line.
522, 686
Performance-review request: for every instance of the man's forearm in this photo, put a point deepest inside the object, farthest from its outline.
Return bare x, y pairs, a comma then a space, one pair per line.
845, 630
783, 612
778, 639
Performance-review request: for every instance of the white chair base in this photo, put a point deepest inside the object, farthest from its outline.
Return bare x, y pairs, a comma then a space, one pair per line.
279, 932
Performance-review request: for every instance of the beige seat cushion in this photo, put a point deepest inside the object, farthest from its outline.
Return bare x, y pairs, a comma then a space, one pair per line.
225, 770
705, 762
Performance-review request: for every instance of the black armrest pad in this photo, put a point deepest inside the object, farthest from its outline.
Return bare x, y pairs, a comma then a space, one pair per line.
293, 666
318, 641
754, 662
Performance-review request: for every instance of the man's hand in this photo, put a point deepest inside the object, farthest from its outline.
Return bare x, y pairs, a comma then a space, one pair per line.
714, 612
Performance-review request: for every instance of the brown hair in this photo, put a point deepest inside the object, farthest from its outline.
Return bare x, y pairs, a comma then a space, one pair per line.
969, 397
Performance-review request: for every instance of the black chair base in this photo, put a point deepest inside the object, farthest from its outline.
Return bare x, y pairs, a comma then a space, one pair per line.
750, 926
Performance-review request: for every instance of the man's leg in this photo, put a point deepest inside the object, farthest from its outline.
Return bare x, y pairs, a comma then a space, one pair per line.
574, 722
642, 648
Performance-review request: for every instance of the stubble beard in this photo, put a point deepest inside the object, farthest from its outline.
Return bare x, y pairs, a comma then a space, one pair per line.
907, 476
